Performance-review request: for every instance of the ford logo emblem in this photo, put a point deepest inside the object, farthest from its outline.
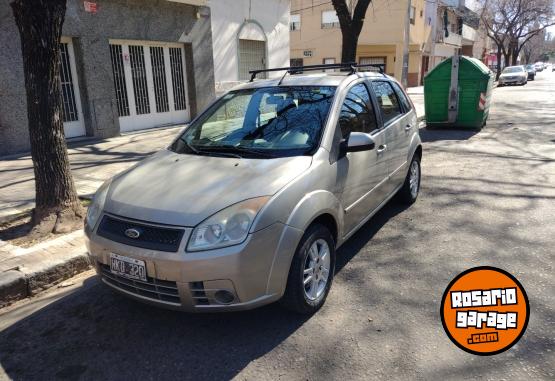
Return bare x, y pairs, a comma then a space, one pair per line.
133, 233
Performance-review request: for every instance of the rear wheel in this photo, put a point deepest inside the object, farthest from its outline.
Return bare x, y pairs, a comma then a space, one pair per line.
311, 273
411, 188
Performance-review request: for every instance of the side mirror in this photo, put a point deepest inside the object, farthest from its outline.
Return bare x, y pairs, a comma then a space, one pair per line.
359, 141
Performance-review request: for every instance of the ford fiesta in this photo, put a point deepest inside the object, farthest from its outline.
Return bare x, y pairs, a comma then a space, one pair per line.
250, 203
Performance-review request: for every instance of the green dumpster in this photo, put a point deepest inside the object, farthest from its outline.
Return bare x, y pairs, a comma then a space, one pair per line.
474, 94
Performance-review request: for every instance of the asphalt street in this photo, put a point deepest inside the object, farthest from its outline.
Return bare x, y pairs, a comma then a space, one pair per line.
487, 199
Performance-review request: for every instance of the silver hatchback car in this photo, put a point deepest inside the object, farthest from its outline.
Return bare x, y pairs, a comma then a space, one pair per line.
251, 201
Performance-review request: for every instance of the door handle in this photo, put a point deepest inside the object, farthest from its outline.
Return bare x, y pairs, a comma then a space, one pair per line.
382, 148
408, 127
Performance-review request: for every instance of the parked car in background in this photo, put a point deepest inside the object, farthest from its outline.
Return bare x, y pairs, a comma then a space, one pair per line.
249, 204
531, 72
513, 75
539, 66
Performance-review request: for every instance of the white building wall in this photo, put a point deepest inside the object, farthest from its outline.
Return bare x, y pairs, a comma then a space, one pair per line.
231, 17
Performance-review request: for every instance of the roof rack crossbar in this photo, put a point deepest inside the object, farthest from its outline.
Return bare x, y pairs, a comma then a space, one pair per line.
353, 66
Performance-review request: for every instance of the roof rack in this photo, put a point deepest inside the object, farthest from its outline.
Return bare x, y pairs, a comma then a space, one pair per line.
353, 68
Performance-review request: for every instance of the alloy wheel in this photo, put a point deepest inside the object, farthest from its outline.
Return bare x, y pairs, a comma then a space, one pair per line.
414, 179
316, 269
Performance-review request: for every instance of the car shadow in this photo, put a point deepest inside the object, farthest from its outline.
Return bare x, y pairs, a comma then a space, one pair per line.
95, 333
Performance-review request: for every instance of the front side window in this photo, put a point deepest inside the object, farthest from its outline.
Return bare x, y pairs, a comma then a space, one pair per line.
387, 100
261, 123
357, 113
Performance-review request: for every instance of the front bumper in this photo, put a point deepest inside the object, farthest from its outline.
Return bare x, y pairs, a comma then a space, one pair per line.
254, 272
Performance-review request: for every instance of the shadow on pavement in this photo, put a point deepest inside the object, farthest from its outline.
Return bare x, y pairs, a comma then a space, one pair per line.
435, 134
95, 333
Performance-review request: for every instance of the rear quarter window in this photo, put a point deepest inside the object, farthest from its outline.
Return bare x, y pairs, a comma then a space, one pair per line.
402, 98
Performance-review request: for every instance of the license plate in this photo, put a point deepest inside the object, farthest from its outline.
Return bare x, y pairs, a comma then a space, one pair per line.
128, 267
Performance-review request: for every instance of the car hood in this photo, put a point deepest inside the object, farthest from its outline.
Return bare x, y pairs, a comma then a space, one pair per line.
183, 190
511, 75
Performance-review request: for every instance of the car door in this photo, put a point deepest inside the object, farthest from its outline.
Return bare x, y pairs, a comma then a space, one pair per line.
364, 172
396, 127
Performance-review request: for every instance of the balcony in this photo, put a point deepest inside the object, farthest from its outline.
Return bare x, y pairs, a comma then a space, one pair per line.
468, 34
453, 39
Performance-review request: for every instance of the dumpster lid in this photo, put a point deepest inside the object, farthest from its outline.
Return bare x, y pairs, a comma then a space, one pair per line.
466, 64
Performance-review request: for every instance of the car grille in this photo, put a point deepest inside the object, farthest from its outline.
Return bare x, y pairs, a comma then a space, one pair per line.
151, 237
155, 289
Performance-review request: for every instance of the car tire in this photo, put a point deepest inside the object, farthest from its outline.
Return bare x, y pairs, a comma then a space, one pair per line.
307, 297
411, 187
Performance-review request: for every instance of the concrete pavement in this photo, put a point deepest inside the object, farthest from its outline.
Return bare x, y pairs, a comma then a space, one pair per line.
487, 199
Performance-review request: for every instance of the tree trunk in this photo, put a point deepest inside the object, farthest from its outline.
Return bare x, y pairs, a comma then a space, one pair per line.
514, 56
498, 63
40, 23
350, 27
349, 45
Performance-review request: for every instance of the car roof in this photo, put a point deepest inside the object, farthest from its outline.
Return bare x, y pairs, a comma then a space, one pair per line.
314, 79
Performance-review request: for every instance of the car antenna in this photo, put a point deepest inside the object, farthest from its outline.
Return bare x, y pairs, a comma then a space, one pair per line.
283, 77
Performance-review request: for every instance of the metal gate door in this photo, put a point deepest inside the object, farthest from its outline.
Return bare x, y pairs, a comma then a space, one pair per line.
72, 113
150, 84
252, 56
378, 61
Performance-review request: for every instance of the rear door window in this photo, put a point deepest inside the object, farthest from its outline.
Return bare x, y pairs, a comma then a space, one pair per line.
388, 102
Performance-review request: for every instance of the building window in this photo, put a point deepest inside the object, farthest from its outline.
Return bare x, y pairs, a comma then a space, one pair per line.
412, 15
295, 22
329, 61
296, 62
329, 20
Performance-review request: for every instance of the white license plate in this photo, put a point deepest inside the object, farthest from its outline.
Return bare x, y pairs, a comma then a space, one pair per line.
128, 267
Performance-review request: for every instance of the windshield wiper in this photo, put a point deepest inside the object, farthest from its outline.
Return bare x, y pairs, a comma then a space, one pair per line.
241, 150
203, 151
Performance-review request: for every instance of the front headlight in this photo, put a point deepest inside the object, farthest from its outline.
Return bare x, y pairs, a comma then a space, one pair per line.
228, 227
95, 209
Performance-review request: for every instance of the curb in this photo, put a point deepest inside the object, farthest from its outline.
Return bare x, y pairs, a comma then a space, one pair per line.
16, 284
26, 274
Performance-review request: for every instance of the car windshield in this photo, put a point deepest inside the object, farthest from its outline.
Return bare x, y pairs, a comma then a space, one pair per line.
260, 123
513, 69
530, 67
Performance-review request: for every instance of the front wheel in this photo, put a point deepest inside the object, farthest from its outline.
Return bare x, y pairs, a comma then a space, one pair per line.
411, 187
311, 273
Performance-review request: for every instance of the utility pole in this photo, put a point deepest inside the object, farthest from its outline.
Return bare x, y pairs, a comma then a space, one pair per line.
405, 70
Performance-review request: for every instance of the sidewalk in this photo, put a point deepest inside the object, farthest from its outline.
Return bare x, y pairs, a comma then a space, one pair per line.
92, 162
416, 94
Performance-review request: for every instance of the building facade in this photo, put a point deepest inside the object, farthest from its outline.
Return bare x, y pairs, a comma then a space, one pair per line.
125, 65
248, 35
316, 36
456, 28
